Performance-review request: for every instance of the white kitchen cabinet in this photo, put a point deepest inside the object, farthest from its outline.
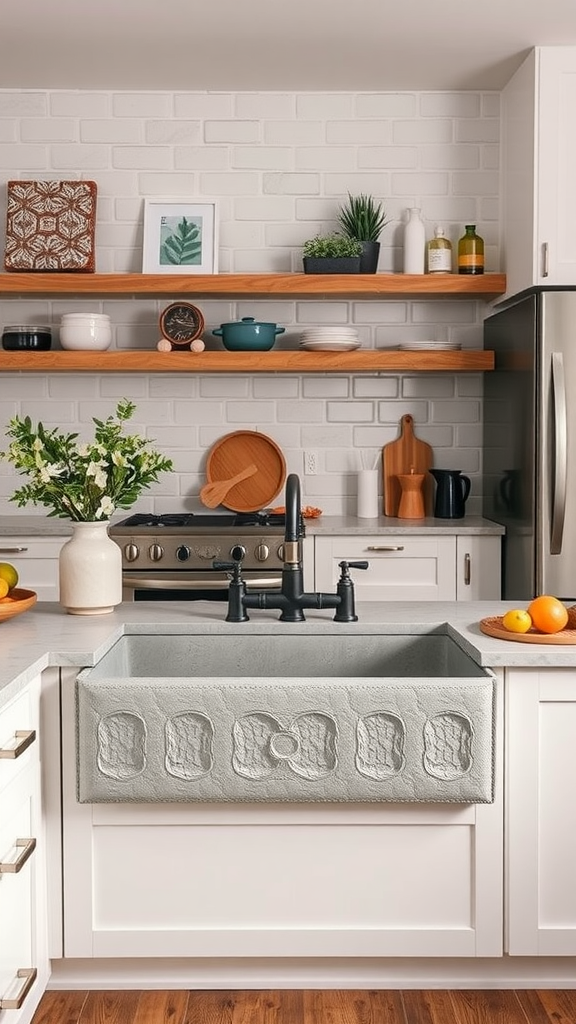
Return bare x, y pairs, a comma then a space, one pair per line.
278, 880
539, 169
36, 560
541, 814
24, 965
404, 567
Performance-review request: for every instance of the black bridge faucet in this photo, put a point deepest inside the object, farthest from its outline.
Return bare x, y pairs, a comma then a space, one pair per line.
291, 600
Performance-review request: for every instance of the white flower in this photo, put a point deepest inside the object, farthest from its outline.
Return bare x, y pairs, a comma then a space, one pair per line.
119, 460
105, 508
83, 450
95, 470
37, 444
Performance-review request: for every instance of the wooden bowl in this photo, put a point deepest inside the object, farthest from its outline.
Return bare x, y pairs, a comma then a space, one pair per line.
16, 602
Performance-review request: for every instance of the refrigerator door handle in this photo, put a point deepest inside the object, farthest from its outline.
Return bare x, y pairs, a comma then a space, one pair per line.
560, 453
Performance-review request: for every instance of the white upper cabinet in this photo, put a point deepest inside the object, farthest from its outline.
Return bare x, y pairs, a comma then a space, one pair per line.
539, 170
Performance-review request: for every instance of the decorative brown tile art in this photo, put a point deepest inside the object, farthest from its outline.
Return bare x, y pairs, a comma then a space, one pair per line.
50, 225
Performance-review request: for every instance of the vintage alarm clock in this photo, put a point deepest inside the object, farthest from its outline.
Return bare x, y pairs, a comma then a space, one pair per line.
181, 325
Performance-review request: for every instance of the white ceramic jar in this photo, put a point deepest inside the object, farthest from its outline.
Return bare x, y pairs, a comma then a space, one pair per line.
89, 332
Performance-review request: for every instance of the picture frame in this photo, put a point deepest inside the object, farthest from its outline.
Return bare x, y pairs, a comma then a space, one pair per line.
180, 237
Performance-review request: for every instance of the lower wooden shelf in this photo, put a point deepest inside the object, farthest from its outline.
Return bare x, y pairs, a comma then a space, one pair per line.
366, 361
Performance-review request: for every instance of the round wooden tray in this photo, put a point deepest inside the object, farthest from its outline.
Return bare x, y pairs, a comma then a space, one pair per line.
233, 453
493, 627
16, 602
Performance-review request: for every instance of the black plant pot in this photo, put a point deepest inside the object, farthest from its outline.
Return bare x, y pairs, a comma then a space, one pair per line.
331, 265
369, 257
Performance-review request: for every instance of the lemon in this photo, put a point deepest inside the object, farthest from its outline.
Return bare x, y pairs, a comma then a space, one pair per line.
517, 621
8, 573
4, 588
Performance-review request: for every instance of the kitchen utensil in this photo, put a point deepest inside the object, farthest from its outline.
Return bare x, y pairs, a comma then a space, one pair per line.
405, 456
242, 448
411, 504
16, 602
452, 490
248, 335
211, 495
492, 626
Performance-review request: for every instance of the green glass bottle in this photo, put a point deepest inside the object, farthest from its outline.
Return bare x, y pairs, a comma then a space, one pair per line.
471, 252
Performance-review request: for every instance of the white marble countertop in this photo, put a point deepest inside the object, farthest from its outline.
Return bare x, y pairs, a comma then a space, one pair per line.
46, 635
43, 526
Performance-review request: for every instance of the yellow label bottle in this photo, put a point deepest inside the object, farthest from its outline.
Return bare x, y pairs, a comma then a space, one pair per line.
439, 251
471, 252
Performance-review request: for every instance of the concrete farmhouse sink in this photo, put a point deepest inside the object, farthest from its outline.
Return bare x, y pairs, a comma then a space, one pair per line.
279, 655
285, 717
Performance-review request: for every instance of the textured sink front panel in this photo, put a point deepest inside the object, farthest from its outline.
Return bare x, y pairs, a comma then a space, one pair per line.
194, 736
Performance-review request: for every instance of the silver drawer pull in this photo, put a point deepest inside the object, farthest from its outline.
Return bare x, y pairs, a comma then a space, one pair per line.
467, 570
12, 867
29, 974
386, 547
12, 551
26, 738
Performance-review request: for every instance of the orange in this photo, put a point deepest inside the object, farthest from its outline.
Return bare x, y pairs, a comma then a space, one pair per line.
517, 621
548, 614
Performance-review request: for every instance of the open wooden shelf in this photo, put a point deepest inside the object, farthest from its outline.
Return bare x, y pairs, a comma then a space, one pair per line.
359, 361
482, 286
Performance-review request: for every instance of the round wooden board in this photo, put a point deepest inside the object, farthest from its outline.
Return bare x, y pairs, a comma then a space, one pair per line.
493, 627
16, 602
236, 451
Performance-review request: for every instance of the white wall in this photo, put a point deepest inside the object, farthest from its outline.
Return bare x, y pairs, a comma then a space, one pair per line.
278, 165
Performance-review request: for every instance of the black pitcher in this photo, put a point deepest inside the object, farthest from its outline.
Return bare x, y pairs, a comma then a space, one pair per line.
452, 490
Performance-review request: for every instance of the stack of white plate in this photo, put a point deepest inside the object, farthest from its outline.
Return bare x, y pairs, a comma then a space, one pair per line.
329, 339
430, 346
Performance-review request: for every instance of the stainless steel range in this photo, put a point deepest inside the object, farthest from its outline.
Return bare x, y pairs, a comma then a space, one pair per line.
170, 557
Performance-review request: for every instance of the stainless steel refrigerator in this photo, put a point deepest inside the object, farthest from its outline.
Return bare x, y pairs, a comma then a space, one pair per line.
529, 457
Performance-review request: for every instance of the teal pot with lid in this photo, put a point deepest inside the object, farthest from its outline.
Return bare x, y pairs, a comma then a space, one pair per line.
248, 335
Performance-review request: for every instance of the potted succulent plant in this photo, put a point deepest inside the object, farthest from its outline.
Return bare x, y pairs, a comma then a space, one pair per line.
332, 254
364, 218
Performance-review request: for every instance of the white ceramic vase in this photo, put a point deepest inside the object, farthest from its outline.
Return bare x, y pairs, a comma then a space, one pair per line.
90, 569
414, 243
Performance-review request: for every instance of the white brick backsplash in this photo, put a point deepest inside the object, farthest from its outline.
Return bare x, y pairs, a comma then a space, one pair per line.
204, 105
172, 133
455, 412
325, 387
375, 387
141, 104
350, 412
78, 104
450, 104
232, 131
394, 104
279, 166
406, 157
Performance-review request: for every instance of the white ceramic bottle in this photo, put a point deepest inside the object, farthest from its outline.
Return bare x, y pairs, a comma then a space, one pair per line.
414, 243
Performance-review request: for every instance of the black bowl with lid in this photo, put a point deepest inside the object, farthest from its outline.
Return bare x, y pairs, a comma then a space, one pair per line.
27, 336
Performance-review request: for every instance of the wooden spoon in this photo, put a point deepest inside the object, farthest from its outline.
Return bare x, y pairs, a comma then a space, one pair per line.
212, 494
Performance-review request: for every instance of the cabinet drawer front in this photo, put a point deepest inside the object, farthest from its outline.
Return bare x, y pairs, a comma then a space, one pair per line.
18, 724
402, 568
36, 560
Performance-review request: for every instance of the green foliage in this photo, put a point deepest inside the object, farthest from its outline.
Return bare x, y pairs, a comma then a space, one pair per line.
363, 218
182, 247
83, 482
332, 246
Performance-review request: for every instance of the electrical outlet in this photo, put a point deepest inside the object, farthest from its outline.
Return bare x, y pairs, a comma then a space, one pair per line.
311, 463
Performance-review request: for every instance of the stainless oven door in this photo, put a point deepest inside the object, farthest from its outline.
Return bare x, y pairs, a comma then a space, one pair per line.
190, 586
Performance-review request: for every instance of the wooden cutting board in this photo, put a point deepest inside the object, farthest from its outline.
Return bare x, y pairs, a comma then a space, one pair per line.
406, 455
235, 452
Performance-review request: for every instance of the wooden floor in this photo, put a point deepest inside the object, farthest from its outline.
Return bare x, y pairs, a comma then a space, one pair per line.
308, 1007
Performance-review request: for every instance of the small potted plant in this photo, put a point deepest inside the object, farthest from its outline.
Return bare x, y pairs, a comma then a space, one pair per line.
332, 254
364, 218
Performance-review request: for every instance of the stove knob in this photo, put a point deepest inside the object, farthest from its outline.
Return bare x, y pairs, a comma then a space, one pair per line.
155, 551
131, 552
280, 552
261, 553
182, 553
238, 553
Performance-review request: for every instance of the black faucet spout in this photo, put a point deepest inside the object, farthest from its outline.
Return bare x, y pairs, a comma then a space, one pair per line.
293, 525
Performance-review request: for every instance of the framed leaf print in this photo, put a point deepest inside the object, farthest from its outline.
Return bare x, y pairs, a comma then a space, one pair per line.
180, 237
